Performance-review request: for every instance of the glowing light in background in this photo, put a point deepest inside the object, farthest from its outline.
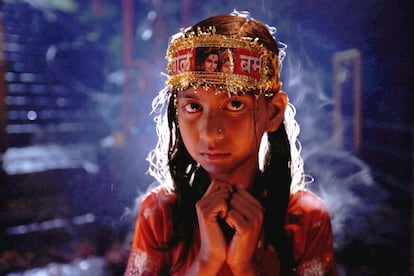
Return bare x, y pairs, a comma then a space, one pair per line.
53, 5
31, 115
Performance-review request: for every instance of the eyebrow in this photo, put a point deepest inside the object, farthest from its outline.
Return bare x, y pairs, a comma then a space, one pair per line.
192, 95
187, 95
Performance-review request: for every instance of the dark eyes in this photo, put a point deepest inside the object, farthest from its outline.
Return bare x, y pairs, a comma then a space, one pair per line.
192, 107
233, 105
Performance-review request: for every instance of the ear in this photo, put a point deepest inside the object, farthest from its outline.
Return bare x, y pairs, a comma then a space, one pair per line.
277, 109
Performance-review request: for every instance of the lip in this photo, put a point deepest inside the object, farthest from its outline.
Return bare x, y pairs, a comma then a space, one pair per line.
214, 156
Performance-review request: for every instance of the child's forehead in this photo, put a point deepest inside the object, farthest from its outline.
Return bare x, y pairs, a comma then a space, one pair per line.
211, 93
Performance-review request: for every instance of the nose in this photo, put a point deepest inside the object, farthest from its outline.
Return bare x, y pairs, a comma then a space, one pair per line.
211, 127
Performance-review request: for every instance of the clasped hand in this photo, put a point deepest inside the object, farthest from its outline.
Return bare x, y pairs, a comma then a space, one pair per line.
242, 212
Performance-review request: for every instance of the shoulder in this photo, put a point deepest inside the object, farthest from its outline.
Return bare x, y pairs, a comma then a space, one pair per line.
307, 214
158, 197
152, 232
153, 223
308, 225
305, 202
157, 201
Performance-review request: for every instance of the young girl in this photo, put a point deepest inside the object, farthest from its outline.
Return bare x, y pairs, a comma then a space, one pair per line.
232, 198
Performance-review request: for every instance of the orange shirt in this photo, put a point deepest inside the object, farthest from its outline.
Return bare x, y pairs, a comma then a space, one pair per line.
308, 226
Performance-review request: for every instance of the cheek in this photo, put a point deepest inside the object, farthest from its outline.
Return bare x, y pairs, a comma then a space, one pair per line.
247, 124
187, 130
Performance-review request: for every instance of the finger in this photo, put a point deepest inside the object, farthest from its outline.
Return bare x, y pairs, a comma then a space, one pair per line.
237, 221
251, 211
221, 184
251, 216
216, 204
239, 202
216, 195
213, 196
243, 200
218, 185
213, 205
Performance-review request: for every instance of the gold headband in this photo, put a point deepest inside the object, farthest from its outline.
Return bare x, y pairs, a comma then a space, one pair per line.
238, 64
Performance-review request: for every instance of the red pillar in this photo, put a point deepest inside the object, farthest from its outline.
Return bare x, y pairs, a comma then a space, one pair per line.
127, 20
97, 8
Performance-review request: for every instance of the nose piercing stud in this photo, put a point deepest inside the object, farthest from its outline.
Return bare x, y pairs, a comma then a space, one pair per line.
219, 130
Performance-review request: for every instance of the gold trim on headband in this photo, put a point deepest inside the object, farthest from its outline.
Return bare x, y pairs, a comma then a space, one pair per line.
208, 59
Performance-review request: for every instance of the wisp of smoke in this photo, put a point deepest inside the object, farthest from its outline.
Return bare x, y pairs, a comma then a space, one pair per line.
342, 180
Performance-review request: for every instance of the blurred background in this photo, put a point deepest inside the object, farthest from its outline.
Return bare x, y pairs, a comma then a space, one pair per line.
76, 83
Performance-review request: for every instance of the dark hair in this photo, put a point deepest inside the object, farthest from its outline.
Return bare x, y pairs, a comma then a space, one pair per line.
191, 181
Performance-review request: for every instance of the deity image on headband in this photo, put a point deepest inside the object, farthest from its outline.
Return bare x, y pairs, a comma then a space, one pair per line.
207, 59
226, 63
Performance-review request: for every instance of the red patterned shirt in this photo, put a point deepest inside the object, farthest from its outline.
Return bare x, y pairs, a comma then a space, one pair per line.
308, 226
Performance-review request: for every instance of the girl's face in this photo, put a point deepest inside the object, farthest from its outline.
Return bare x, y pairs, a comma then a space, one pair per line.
210, 63
226, 67
223, 133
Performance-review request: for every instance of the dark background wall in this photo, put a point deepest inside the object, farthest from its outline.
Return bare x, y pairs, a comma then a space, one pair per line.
77, 80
